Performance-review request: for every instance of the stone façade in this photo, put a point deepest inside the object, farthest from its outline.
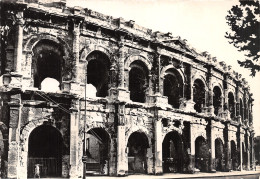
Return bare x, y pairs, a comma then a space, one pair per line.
208, 108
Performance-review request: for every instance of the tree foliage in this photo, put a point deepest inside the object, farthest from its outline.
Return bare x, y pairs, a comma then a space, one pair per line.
244, 20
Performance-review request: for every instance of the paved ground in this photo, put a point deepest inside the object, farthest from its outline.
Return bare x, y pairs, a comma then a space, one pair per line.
218, 175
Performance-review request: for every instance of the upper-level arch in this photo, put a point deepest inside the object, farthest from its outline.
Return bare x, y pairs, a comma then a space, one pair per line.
130, 59
47, 62
98, 67
217, 99
199, 95
84, 53
138, 80
34, 39
231, 104
164, 70
173, 86
201, 78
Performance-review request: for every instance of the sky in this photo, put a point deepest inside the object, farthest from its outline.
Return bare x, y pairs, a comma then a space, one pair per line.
201, 22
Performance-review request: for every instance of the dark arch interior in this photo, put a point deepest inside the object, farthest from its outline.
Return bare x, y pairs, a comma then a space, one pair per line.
97, 151
234, 156
231, 105
98, 72
201, 154
173, 87
219, 154
137, 150
244, 154
198, 95
172, 151
48, 58
216, 99
138, 81
45, 148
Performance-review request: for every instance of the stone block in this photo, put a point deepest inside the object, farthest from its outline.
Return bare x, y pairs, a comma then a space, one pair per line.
187, 105
120, 94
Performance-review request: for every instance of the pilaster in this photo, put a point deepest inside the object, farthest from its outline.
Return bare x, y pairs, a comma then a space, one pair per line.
121, 165
158, 147
76, 34
74, 128
191, 166
121, 154
19, 43
121, 64
227, 148
212, 167
248, 152
240, 150
14, 137
210, 94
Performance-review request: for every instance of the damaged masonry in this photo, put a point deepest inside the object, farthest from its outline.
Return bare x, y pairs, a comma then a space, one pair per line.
154, 104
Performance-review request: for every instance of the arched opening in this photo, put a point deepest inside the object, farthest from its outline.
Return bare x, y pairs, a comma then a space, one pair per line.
251, 152
201, 154
173, 87
47, 62
97, 151
244, 154
138, 81
234, 161
98, 72
217, 100
172, 151
199, 95
45, 149
219, 154
231, 105
241, 110
137, 149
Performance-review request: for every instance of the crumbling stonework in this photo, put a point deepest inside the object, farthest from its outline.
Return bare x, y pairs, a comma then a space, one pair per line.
160, 105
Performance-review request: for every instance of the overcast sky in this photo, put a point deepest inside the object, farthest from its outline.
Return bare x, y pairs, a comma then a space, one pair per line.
201, 22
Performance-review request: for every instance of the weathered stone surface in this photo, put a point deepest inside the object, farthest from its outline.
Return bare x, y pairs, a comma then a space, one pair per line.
128, 65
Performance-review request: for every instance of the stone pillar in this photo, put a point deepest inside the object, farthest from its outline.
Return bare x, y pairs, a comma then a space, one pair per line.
74, 129
225, 100
14, 137
252, 151
238, 111
121, 151
157, 73
150, 88
241, 151
158, 147
27, 70
150, 158
227, 148
192, 149
211, 107
248, 152
235, 108
212, 167
19, 43
210, 96
121, 93
121, 64
76, 34
121, 165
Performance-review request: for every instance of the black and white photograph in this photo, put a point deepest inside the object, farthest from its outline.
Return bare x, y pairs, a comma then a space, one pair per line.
130, 89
